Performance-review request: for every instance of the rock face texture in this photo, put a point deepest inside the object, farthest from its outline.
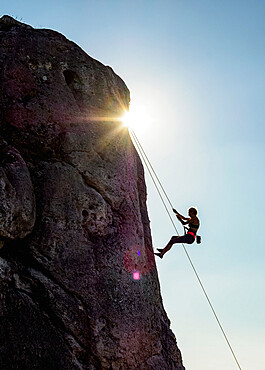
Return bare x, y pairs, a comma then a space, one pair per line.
78, 282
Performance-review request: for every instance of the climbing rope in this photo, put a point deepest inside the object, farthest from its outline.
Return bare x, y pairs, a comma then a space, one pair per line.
155, 178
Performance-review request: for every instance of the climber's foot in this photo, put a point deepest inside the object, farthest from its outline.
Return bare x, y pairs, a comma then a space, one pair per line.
160, 249
159, 255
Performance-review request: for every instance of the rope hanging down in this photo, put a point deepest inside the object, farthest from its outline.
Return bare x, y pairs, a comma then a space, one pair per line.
154, 177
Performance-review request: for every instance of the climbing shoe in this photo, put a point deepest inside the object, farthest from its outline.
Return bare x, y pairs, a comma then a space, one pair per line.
159, 249
159, 255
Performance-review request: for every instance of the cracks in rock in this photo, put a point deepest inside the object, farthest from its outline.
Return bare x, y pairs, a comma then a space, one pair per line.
20, 256
24, 262
97, 152
57, 324
91, 184
76, 86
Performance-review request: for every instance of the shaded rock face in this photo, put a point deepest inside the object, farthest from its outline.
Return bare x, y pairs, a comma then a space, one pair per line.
78, 282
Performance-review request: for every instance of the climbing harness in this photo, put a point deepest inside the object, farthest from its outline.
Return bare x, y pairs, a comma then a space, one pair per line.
187, 231
156, 180
191, 233
197, 237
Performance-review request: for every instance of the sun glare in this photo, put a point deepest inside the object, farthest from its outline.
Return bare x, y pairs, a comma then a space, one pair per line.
136, 118
126, 119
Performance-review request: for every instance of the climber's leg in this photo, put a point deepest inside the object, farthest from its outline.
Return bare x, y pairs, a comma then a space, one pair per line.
175, 239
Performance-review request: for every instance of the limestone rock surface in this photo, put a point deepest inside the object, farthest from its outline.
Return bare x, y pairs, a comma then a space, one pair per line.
78, 281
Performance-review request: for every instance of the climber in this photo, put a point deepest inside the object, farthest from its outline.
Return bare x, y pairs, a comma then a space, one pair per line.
188, 237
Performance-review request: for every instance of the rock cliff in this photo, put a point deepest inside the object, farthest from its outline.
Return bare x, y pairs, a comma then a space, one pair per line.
78, 282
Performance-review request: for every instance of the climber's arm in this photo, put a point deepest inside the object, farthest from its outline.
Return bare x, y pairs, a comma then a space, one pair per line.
179, 215
187, 220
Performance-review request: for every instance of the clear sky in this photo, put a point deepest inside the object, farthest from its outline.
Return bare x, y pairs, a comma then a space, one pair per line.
197, 70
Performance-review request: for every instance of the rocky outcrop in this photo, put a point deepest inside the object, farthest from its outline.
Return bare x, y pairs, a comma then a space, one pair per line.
17, 211
78, 282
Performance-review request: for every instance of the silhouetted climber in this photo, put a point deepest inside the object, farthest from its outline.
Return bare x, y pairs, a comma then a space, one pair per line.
189, 237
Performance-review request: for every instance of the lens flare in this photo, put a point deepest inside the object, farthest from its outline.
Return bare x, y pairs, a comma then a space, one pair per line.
136, 275
137, 118
126, 119
139, 260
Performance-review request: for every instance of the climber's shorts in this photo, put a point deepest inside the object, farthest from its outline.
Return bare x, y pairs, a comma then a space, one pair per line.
187, 239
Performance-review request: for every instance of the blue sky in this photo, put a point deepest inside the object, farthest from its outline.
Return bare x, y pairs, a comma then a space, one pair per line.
198, 69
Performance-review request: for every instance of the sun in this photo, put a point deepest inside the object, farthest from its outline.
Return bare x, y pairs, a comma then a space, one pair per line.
136, 118
126, 119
